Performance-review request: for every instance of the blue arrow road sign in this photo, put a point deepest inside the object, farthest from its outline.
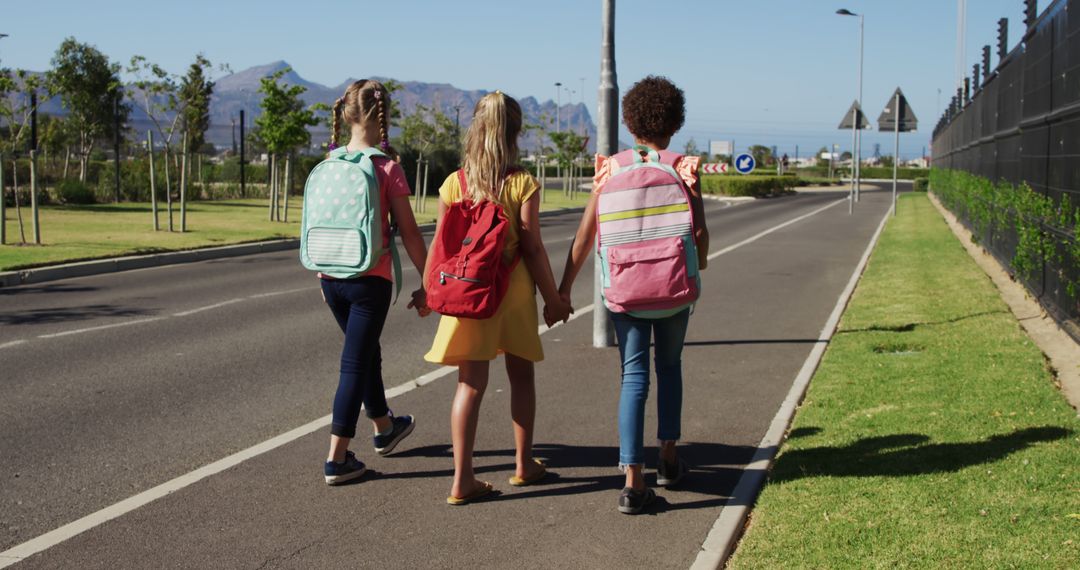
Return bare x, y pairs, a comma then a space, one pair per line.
744, 163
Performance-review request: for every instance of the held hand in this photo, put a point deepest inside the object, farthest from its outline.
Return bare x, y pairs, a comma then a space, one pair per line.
556, 312
419, 302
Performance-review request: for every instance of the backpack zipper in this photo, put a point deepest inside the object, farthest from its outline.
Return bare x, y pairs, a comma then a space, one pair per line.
443, 275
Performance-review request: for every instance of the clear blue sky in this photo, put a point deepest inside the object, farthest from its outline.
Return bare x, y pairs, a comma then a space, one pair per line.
775, 72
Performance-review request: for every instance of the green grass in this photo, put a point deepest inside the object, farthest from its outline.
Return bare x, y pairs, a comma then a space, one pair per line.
932, 435
75, 233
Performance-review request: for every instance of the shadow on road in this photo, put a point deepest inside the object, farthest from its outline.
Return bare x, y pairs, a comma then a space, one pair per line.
903, 455
68, 314
715, 470
754, 341
40, 289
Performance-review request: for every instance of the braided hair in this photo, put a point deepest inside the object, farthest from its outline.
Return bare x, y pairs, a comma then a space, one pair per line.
365, 102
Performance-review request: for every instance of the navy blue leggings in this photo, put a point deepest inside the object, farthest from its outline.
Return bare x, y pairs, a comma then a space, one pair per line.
360, 306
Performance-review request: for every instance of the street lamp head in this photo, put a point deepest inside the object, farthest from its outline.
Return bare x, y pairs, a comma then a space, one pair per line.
2, 36
846, 12
558, 84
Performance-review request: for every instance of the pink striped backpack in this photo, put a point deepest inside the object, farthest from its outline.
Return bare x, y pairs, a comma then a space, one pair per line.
645, 236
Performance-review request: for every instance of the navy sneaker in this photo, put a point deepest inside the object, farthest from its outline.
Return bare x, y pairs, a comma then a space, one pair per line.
403, 426
338, 473
670, 474
631, 502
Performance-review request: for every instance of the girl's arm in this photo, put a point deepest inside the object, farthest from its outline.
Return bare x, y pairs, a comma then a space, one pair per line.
438, 226
401, 210
579, 250
701, 230
536, 259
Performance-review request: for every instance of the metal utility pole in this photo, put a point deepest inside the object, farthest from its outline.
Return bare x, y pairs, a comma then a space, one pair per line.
153, 189
116, 143
961, 46
243, 193
607, 143
33, 197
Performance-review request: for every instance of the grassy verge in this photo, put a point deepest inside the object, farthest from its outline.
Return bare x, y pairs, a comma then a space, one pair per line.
74, 233
932, 435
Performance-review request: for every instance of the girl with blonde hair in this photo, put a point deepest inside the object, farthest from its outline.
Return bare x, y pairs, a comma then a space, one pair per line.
491, 174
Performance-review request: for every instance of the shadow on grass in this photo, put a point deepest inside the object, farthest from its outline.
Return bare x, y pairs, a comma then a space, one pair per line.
904, 455
909, 327
68, 314
715, 470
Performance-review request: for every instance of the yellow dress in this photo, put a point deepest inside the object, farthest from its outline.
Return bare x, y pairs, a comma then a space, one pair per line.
514, 327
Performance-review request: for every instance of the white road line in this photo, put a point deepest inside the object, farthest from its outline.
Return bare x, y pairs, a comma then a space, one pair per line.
12, 343
728, 526
773, 229
286, 292
52, 538
208, 307
100, 328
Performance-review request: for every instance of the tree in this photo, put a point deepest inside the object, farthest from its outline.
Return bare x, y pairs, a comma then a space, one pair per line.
16, 106
281, 127
569, 146
428, 133
194, 96
763, 155
691, 148
887, 161
821, 154
89, 86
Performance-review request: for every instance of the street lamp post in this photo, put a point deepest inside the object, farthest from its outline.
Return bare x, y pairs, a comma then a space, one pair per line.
558, 105
857, 169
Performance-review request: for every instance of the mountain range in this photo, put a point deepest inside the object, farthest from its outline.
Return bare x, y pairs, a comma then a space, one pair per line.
240, 90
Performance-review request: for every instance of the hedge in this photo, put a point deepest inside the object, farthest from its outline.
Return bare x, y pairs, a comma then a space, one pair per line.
755, 186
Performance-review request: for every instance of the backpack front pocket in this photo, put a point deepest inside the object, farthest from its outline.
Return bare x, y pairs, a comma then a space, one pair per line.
338, 247
648, 272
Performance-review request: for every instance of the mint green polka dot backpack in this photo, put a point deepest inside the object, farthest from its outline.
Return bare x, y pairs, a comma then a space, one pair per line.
341, 226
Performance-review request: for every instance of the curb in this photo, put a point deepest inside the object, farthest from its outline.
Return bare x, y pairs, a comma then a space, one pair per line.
128, 263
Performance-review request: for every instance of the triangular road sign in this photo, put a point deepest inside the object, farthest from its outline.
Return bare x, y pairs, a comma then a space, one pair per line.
849, 118
887, 119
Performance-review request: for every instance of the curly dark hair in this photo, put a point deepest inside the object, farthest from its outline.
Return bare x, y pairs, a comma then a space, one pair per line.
654, 108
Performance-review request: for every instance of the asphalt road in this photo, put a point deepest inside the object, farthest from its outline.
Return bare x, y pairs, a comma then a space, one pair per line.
112, 385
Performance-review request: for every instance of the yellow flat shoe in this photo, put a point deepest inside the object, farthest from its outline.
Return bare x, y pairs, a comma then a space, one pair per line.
482, 490
526, 481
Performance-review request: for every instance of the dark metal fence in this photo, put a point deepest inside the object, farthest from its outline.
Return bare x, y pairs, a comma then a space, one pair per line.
1020, 123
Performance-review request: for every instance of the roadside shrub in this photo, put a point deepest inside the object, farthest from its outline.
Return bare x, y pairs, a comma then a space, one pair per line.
74, 192
739, 185
922, 184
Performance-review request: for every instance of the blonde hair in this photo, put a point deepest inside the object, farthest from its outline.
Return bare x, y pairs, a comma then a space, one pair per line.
491, 146
364, 102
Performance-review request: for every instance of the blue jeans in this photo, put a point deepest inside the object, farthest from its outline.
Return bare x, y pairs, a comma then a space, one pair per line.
634, 336
360, 306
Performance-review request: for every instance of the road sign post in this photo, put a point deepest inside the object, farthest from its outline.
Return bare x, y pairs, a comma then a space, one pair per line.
714, 168
745, 163
855, 120
897, 117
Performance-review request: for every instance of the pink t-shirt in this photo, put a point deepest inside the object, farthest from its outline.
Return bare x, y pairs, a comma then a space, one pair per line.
392, 184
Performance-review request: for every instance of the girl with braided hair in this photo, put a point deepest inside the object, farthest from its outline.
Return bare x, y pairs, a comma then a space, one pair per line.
360, 304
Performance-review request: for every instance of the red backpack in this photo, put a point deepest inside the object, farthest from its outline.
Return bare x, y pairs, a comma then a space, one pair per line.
468, 276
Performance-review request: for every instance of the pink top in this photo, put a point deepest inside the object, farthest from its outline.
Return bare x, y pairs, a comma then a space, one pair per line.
392, 184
